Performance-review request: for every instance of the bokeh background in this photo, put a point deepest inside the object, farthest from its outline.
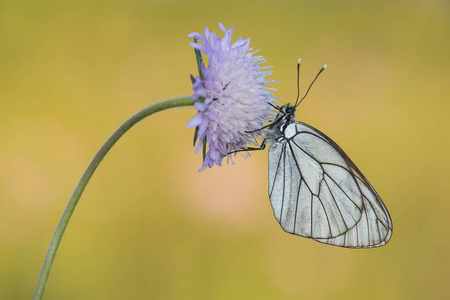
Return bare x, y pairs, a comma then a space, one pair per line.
149, 226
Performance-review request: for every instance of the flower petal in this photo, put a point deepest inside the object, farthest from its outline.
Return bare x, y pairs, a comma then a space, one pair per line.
195, 121
235, 97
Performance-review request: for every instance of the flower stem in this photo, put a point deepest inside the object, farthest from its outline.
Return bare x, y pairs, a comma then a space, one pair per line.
163, 105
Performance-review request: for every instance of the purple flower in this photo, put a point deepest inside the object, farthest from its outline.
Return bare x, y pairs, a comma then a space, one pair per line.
233, 97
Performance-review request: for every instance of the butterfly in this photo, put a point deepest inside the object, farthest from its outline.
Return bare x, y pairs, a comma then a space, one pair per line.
315, 189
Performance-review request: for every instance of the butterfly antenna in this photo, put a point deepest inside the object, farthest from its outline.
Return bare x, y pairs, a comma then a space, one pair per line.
321, 70
298, 81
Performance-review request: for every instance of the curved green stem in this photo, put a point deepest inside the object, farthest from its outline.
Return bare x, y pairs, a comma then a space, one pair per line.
43, 278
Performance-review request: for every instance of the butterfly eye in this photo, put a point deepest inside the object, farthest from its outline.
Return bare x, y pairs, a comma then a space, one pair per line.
290, 110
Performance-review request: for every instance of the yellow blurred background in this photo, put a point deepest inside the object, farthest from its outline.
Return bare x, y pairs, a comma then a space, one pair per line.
149, 226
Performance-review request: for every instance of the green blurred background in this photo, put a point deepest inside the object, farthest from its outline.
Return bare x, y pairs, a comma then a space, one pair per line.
149, 225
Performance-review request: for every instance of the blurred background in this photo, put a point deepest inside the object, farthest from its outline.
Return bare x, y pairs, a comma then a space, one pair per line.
149, 225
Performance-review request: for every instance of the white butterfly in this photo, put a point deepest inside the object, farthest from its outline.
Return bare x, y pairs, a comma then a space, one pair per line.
316, 191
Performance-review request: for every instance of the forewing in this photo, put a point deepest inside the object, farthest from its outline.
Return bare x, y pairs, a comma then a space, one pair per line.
373, 230
316, 191
375, 227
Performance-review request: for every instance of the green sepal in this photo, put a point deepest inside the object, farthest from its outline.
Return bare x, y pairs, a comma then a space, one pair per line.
195, 135
204, 148
198, 56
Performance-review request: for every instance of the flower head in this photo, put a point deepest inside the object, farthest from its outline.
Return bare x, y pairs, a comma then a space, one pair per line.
233, 97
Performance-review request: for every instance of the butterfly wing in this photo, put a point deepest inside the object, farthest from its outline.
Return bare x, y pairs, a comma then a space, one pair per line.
316, 191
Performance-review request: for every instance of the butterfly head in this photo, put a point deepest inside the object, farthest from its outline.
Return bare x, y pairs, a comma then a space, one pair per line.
284, 117
288, 109
286, 114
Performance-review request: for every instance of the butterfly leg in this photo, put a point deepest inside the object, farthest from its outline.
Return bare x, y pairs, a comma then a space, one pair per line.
263, 146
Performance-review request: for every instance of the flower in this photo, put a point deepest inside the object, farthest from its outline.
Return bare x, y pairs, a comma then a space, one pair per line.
234, 101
